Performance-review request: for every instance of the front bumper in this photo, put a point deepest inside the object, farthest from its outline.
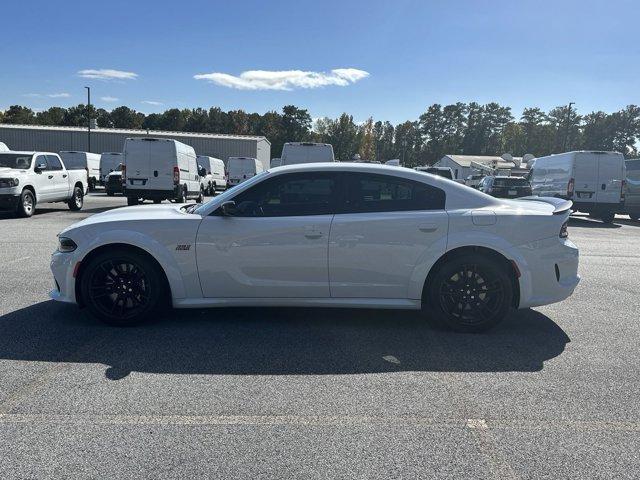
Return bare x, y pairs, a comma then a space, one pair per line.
549, 271
9, 202
62, 267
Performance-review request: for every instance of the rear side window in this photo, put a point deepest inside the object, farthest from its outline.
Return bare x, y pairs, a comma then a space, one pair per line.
295, 194
53, 163
511, 182
385, 193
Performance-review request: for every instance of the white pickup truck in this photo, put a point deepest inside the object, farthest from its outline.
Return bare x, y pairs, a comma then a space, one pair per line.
31, 178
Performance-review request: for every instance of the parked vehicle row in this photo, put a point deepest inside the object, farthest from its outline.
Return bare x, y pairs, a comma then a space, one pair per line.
30, 178
75, 160
330, 235
213, 179
109, 162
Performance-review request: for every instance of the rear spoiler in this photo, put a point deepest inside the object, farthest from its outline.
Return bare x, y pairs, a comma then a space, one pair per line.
560, 205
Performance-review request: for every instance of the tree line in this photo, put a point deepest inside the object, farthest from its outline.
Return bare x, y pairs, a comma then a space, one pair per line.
460, 128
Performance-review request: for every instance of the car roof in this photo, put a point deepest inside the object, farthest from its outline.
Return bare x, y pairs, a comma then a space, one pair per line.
23, 152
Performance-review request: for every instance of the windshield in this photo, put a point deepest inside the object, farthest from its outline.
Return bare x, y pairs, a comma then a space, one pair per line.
18, 161
230, 193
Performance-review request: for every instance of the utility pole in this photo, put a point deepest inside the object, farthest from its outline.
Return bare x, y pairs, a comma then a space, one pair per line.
88, 118
566, 133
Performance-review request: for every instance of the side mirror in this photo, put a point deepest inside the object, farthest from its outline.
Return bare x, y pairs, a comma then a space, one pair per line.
40, 167
228, 209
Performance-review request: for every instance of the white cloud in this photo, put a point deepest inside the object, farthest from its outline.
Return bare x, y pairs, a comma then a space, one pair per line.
107, 74
109, 99
284, 80
50, 95
151, 102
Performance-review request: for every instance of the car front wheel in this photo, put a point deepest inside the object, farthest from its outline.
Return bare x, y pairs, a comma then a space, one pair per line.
26, 204
469, 294
121, 288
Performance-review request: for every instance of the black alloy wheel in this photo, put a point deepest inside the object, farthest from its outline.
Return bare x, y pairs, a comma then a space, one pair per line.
471, 294
121, 288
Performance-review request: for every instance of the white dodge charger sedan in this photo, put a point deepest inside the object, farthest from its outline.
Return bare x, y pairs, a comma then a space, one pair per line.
326, 235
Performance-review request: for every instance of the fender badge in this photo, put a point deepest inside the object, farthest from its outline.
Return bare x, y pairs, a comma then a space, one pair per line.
183, 246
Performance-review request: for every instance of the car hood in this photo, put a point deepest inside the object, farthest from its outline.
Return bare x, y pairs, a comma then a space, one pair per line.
11, 172
140, 213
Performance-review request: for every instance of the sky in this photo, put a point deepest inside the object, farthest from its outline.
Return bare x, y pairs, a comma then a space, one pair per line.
383, 59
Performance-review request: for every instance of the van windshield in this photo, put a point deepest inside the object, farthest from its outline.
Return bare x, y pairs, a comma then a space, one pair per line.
19, 161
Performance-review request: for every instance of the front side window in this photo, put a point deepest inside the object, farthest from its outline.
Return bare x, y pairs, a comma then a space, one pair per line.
294, 194
53, 163
385, 193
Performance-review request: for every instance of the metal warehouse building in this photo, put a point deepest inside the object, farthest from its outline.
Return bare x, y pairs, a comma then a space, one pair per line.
56, 139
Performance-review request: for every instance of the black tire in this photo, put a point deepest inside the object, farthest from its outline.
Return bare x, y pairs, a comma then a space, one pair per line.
214, 189
157, 200
122, 288
634, 216
77, 199
27, 204
608, 217
456, 297
92, 184
132, 201
182, 197
109, 193
201, 196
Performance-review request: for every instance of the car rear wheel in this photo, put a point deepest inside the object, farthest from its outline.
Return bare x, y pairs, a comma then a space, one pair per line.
77, 199
634, 216
469, 294
132, 201
608, 217
182, 197
26, 204
122, 288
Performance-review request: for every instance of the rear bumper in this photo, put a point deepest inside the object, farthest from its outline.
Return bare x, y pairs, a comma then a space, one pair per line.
152, 194
9, 202
549, 273
582, 206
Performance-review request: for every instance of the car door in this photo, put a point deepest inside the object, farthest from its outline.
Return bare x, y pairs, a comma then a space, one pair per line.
275, 245
59, 179
387, 227
610, 176
43, 180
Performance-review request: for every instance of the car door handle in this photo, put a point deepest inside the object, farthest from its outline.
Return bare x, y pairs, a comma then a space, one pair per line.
313, 235
64, 175
50, 177
428, 227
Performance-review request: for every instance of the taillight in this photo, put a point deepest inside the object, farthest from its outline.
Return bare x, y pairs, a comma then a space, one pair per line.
564, 231
124, 175
622, 188
176, 175
570, 186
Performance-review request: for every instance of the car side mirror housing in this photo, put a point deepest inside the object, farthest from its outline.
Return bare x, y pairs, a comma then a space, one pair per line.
229, 208
40, 167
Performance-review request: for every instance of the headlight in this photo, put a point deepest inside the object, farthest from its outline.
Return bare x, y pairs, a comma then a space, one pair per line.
66, 245
9, 182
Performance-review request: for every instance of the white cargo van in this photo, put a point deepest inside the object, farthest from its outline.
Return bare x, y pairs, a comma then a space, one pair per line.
215, 179
242, 168
87, 160
109, 162
160, 169
593, 180
306, 152
275, 162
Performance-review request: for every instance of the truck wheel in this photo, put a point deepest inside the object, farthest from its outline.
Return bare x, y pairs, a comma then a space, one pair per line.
157, 200
109, 193
469, 294
607, 217
634, 216
214, 189
132, 201
27, 204
182, 197
77, 199
201, 196
92, 184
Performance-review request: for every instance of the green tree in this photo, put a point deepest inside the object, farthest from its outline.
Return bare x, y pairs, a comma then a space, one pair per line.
197, 121
19, 115
125, 117
367, 148
51, 116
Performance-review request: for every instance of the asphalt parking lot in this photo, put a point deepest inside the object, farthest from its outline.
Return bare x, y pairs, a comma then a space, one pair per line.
290, 393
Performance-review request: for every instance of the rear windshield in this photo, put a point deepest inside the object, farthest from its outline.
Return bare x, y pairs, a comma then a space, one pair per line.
18, 161
511, 182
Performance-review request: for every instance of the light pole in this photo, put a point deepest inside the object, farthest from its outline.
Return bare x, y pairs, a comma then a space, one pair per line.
566, 133
88, 118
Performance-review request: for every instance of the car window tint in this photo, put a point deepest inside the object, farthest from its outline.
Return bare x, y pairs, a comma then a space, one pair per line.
288, 195
385, 193
53, 163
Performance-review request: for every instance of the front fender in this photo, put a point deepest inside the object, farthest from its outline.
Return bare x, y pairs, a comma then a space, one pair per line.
168, 262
